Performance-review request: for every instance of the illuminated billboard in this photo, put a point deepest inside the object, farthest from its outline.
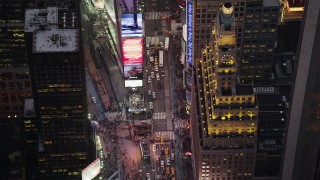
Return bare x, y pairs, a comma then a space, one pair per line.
189, 32
133, 70
132, 51
133, 83
131, 25
92, 170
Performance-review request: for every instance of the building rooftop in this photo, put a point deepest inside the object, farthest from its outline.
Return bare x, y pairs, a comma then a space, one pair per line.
65, 40
244, 90
271, 3
54, 30
35, 18
29, 108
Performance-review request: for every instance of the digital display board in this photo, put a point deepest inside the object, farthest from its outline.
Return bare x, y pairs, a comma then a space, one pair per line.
133, 83
131, 25
132, 51
133, 70
189, 32
92, 170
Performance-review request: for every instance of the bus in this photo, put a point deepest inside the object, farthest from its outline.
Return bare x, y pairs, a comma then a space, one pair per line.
160, 58
166, 44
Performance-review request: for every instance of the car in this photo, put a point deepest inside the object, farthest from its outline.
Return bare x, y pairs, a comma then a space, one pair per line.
161, 44
158, 160
149, 79
166, 151
154, 147
172, 156
162, 73
154, 95
156, 68
151, 105
172, 171
151, 59
149, 92
148, 65
155, 60
158, 76
162, 163
168, 170
152, 74
94, 100
168, 161
148, 176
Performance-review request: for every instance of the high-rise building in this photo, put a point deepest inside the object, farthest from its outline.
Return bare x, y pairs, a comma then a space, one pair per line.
15, 86
14, 72
57, 71
301, 158
258, 41
205, 13
228, 110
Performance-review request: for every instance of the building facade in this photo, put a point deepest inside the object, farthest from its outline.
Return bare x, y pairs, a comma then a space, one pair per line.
59, 88
15, 83
258, 41
301, 158
228, 110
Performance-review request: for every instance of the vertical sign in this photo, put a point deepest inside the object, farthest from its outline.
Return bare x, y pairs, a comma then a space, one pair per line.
189, 32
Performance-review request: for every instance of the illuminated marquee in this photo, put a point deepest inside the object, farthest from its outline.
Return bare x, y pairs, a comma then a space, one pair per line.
189, 31
132, 51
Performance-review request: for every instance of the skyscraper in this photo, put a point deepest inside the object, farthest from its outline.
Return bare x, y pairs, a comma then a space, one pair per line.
258, 41
15, 85
58, 84
301, 158
14, 72
228, 110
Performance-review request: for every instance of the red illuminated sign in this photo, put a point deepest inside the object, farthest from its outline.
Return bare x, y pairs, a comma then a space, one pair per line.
132, 51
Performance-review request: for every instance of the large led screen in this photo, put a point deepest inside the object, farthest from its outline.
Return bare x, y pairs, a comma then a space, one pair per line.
133, 70
131, 25
133, 83
132, 51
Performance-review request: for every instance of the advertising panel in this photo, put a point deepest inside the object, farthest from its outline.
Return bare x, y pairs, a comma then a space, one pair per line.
92, 170
110, 9
188, 79
131, 25
189, 32
133, 83
132, 51
133, 70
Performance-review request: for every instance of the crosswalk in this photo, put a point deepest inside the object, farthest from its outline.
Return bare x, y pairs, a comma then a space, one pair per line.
161, 115
167, 92
157, 15
167, 135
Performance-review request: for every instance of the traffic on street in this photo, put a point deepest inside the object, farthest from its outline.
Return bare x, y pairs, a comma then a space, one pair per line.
136, 129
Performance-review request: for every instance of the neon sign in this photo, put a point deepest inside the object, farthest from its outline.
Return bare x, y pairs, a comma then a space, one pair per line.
189, 32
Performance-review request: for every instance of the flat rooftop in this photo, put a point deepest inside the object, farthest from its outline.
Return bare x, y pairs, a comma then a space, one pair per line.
29, 108
65, 40
54, 30
35, 18
271, 3
244, 90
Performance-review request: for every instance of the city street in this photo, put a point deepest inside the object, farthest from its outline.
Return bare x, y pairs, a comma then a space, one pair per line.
107, 96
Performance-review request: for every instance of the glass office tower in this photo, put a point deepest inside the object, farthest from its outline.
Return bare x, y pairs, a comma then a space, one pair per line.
58, 82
